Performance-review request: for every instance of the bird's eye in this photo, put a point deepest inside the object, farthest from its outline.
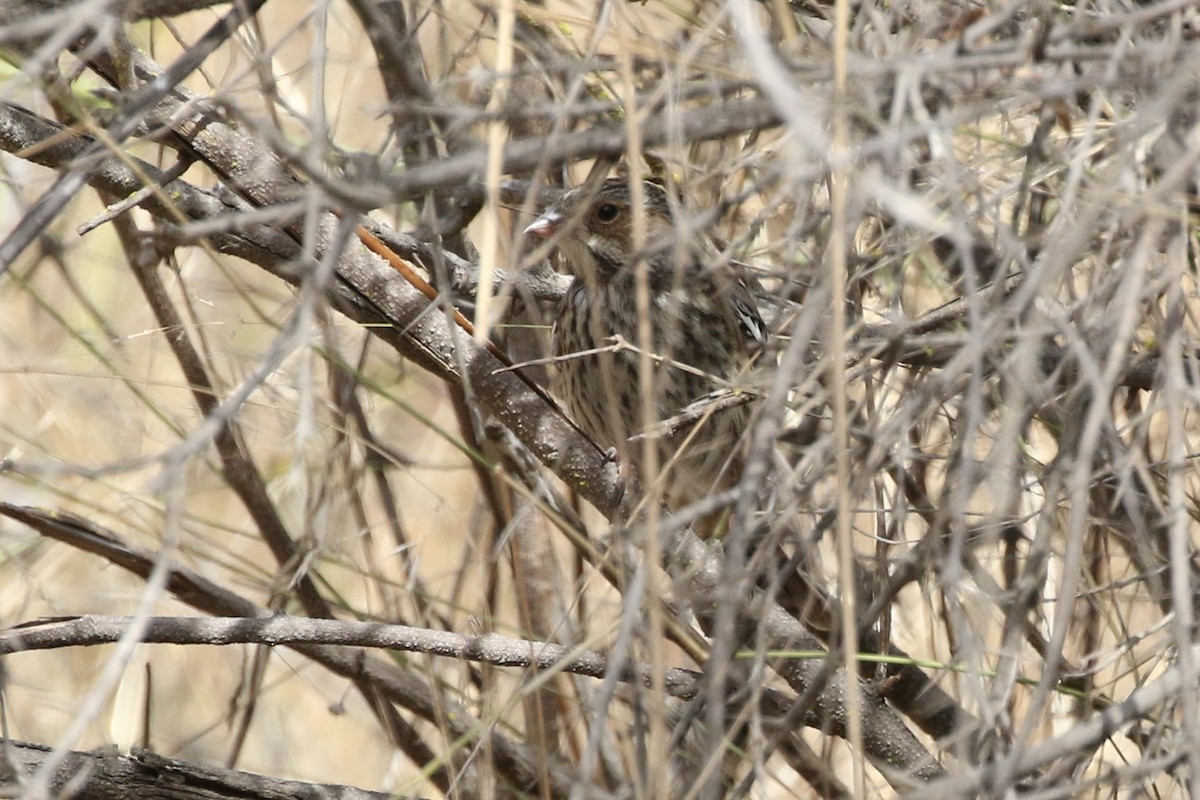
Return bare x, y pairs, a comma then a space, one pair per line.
607, 212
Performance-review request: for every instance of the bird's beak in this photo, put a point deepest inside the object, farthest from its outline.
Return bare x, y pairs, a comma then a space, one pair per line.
546, 225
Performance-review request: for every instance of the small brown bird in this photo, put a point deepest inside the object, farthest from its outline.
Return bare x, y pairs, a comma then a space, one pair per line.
704, 328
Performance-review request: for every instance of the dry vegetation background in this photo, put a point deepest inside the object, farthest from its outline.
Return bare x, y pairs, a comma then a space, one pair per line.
222, 382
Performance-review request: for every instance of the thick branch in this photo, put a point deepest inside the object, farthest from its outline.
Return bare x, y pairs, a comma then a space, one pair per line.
109, 775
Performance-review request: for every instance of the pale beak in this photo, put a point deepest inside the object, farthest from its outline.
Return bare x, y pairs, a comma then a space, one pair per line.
546, 225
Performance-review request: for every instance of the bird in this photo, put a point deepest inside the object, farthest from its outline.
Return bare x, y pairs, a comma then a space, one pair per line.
704, 323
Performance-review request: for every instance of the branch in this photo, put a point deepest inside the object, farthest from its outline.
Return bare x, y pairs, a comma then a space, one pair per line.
1171, 686
727, 118
109, 775
397, 685
130, 116
279, 629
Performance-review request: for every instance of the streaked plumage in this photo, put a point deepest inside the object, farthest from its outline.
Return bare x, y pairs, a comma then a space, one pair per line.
703, 319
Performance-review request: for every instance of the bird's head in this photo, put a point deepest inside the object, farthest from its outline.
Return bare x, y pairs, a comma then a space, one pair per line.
595, 225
